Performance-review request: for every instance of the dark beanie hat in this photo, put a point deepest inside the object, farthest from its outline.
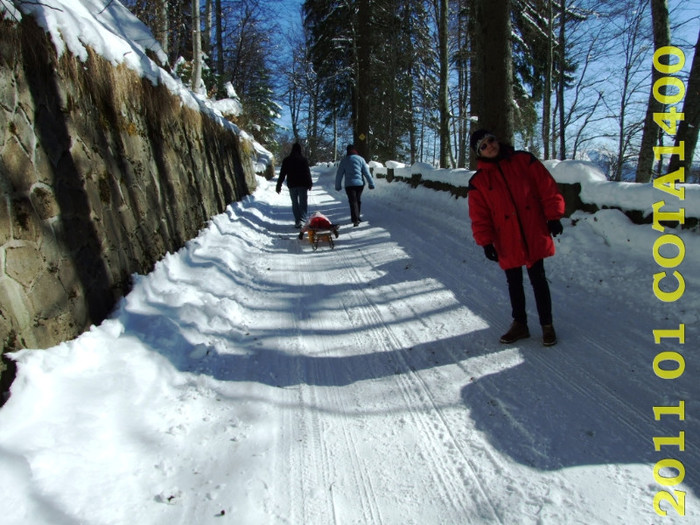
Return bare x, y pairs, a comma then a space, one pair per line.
351, 149
476, 137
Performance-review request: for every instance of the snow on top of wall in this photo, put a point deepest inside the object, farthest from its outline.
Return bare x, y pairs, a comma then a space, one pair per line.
113, 32
595, 188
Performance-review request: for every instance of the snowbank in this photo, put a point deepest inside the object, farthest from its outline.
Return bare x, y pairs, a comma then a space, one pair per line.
113, 32
595, 188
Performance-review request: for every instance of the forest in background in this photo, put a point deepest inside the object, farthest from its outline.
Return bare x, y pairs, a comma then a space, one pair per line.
409, 80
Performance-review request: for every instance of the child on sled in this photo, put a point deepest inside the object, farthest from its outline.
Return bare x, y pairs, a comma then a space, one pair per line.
317, 223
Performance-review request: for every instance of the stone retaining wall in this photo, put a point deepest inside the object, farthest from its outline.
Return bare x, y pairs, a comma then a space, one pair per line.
101, 174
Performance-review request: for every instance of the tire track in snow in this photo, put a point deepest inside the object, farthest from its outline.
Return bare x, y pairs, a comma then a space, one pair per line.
416, 393
426, 239
321, 418
597, 383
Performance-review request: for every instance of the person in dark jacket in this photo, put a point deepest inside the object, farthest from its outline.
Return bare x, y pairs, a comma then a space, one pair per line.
295, 168
515, 208
355, 171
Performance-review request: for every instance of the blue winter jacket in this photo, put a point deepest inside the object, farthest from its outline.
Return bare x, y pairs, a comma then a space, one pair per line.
354, 169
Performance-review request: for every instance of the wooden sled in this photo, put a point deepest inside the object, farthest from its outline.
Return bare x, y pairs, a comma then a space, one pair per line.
317, 235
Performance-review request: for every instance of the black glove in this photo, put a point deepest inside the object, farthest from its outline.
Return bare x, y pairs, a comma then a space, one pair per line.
490, 253
278, 189
555, 227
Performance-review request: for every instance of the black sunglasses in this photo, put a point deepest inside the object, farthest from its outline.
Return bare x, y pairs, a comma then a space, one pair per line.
486, 142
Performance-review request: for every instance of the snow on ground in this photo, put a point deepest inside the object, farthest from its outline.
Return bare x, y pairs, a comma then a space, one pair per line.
251, 380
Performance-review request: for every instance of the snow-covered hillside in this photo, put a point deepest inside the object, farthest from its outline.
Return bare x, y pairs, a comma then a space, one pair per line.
251, 380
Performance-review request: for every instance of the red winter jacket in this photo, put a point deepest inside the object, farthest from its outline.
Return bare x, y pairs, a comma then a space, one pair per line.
511, 198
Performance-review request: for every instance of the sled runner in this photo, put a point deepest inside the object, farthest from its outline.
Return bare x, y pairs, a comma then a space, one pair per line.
326, 235
319, 229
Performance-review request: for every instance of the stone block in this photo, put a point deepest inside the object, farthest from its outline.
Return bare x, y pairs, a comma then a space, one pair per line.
5, 222
44, 201
23, 264
23, 130
26, 225
49, 246
8, 93
16, 165
15, 307
47, 296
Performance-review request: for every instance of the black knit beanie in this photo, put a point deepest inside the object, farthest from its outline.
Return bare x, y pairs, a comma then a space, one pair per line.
476, 137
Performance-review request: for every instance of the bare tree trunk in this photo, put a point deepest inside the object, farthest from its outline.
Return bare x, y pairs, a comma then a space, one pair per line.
688, 128
163, 31
496, 68
476, 97
562, 81
463, 86
631, 50
219, 45
335, 136
196, 47
208, 18
547, 95
412, 125
364, 38
444, 103
650, 134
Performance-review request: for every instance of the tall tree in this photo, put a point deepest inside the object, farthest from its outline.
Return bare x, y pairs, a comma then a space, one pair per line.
690, 125
361, 131
494, 67
562, 79
162, 27
442, 15
631, 26
422, 78
219, 46
548, 73
650, 133
196, 47
460, 115
330, 37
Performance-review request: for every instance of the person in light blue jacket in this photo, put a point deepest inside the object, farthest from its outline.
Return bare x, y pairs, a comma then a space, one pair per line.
355, 171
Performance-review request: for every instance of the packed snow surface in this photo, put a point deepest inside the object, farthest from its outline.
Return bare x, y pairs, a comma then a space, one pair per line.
249, 379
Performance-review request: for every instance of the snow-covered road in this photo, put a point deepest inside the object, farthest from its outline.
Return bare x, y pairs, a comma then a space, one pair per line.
251, 380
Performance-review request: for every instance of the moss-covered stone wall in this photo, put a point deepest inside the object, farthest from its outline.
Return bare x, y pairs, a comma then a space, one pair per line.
101, 174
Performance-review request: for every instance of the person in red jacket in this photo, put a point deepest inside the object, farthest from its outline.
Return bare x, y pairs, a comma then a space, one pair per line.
515, 208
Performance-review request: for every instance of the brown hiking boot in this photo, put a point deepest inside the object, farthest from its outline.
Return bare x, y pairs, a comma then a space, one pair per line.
517, 331
549, 336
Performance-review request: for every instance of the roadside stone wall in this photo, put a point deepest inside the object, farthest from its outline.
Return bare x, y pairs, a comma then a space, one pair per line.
570, 192
101, 174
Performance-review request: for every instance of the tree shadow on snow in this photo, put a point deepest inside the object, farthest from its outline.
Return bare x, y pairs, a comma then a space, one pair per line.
257, 361
563, 407
586, 401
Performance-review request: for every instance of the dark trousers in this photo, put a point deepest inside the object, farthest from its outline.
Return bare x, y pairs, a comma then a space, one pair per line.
300, 206
355, 200
539, 286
